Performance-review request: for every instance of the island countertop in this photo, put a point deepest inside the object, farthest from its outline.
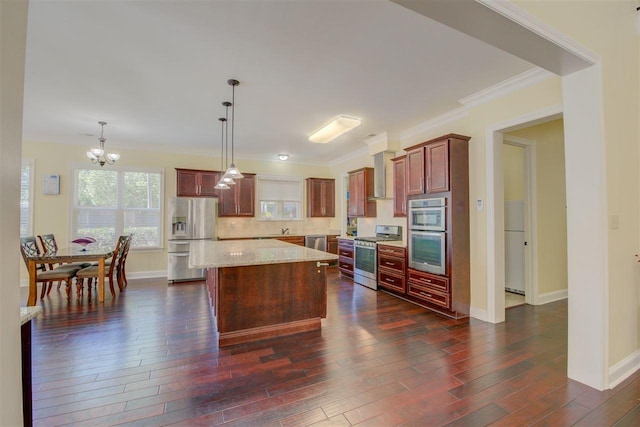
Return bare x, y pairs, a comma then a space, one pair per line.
237, 253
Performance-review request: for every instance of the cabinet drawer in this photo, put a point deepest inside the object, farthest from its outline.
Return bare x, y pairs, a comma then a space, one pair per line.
394, 251
345, 265
428, 294
394, 264
438, 283
391, 281
347, 253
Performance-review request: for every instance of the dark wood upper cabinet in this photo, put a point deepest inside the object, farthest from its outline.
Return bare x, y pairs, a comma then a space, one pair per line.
429, 165
196, 183
360, 190
415, 171
400, 186
437, 166
239, 200
321, 196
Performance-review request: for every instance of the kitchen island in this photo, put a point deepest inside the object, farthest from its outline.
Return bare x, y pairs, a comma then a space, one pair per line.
263, 288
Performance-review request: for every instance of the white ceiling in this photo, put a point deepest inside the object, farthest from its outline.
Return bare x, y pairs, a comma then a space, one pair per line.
157, 73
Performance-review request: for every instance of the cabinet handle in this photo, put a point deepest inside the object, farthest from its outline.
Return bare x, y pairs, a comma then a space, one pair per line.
425, 294
422, 279
391, 280
388, 263
318, 263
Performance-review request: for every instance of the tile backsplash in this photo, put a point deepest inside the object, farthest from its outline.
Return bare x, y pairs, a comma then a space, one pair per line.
250, 227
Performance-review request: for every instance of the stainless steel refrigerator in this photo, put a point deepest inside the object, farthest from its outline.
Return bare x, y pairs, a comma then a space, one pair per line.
189, 219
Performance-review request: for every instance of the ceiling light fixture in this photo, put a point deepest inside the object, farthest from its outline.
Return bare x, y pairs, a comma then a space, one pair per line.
283, 156
233, 171
226, 179
97, 155
334, 129
221, 185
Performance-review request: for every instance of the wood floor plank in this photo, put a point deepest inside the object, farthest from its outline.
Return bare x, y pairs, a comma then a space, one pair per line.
149, 357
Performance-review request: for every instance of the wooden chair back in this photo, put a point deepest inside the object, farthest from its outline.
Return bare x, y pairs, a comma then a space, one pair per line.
48, 242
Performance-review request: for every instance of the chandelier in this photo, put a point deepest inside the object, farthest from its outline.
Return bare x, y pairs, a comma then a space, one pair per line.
97, 155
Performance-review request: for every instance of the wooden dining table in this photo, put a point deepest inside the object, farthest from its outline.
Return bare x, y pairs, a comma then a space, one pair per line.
68, 255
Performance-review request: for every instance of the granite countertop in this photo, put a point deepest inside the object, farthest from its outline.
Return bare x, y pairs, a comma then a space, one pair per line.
237, 253
275, 235
28, 313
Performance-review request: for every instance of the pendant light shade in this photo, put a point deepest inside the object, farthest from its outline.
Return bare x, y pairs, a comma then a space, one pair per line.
233, 172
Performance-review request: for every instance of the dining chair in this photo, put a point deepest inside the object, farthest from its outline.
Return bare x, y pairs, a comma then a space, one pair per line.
121, 272
63, 273
49, 244
92, 272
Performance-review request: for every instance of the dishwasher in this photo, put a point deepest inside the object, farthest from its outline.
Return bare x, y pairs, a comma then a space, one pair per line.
318, 242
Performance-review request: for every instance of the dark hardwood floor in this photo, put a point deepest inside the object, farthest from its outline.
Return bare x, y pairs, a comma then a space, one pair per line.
149, 358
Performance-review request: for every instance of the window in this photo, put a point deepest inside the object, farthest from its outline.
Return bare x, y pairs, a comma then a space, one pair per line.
110, 202
26, 199
279, 197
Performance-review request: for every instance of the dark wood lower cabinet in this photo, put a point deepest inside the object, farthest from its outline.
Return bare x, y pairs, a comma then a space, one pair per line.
267, 300
392, 261
345, 257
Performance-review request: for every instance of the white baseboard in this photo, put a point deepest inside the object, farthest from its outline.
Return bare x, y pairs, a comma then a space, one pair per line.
624, 369
24, 283
551, 297
478, 313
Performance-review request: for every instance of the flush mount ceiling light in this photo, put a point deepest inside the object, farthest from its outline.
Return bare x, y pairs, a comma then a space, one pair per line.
334, 129
97, 155
283, 156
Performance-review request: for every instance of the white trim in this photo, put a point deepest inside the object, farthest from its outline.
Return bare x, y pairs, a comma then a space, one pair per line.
541, 28
32, 190
356, 154
495, 202
624, 369
531, 217
443, 119
24, 283
505, 87
548, 297
478, 313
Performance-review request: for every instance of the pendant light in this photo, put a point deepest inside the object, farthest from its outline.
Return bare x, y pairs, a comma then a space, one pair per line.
221, 185
97, 155
228, 180
233, 171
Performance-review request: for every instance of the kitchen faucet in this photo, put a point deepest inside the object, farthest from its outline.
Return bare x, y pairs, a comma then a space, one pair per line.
284, 230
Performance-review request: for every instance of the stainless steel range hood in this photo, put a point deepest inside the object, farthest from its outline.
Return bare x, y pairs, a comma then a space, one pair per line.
380, 162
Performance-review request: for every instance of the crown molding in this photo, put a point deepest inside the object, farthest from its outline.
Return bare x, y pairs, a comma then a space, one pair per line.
440, 120
515, 83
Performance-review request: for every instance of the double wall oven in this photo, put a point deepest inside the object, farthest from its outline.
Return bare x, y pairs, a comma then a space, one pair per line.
428, 235
365, 265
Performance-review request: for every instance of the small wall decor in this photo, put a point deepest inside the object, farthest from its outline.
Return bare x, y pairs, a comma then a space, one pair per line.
51, 184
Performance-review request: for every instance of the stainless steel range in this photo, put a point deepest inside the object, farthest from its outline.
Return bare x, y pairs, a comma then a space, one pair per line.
365, 268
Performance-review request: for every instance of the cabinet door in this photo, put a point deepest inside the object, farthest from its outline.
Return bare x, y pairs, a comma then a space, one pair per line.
354, 192
329, 198
437, 167
245, 196
415, 171
187, 185
208, 181
320, 197
400, 187
227, 202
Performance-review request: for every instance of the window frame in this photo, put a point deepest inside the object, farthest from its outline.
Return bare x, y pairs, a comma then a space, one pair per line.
120, 170
285, 178
31, 164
